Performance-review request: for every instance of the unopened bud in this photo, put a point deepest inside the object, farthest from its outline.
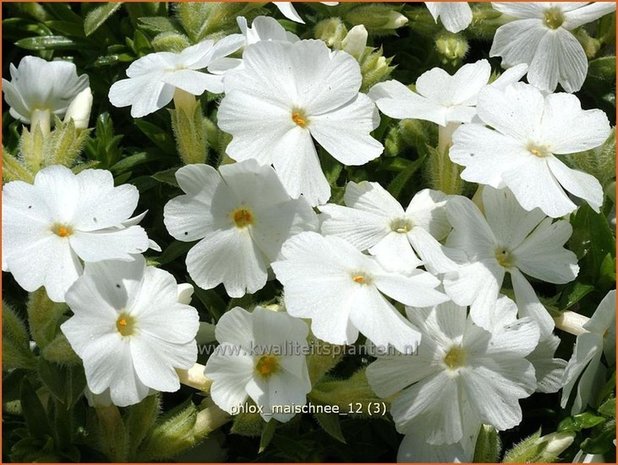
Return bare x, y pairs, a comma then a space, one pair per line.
79, 109
332, 31
377, 18
356, 41
452, 47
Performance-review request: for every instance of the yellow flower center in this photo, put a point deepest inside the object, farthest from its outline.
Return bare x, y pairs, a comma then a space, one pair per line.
553, 17
125, 324
242, 217
62, 230
300, 118
538, 150
455, 358
267, 365
504, 257
361, 278
401, 225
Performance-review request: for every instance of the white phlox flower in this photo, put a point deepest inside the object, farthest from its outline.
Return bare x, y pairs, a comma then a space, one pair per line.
288, 94
130, 330
29, 96
539, 34
585, 373
241, 216
287, 9
462, 376
530, 132
414, 448
153, 79
264, 28
455, 16
79, 109
549, 369
440, 97
50, 226
327, 279
261, 356
507, 239
373, 220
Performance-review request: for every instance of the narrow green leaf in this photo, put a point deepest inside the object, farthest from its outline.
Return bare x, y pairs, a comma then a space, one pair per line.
46, 43
330, 423
95, 19
267, 435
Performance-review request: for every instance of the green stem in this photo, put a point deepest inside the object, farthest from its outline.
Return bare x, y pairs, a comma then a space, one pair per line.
445, 175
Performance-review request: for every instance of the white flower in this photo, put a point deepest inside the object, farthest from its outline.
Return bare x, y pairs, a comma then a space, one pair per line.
342, 290
540, 35
79, 109
48, 226
585, 369
130, 330
287, 9
264, 28
262, 356
373, 220
549, 370
37, 85
529, 130
285, 95
440, 97
414, 448
461, 376
153, 79
507, 239
455, 16
241, 215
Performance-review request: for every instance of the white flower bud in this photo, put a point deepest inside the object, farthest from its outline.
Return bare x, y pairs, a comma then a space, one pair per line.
79, 109
355, 41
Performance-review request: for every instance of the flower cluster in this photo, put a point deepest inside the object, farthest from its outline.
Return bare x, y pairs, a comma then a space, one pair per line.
291, 230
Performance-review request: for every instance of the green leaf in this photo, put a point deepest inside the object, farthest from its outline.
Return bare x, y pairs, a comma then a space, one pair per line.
95, 18
267, 435
46, 43
608, 408
172, 434
34, 412
574, 293
601, 440
15, 341
160, 137
167, 176
157, 24
397, 185
140, 420
65, 384
130, 162
488, 445
603, 68
173, 251
330, 423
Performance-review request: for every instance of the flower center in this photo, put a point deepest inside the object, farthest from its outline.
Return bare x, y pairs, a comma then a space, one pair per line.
538, 150
504, 257
125, 324
267, 365
455, 358
553, 17
401, 225
62, 230
300, 118
242, 217
361, 277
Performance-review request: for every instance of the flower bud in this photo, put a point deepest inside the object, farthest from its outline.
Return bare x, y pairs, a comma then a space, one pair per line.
377, 18
356, 41
79, 109
375, 68
452, 47
332, 31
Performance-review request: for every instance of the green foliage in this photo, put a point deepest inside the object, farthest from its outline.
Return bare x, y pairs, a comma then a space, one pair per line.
46, 416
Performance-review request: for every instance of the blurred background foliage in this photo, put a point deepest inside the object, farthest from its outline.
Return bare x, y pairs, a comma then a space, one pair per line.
46, 417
